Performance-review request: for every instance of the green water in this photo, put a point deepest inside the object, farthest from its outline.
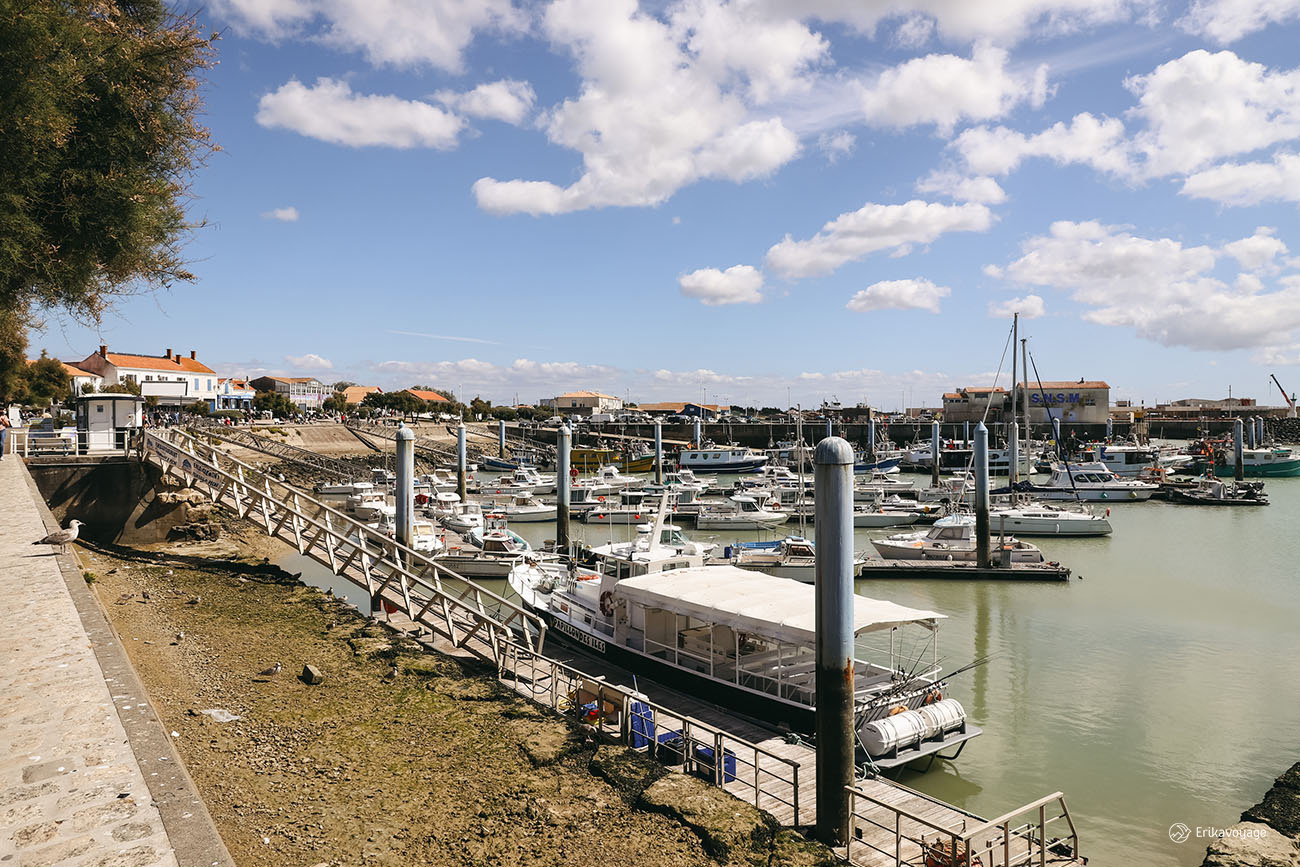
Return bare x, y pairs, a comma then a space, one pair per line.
1158, 686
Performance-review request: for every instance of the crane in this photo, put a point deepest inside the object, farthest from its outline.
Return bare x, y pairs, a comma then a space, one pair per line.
1290, 401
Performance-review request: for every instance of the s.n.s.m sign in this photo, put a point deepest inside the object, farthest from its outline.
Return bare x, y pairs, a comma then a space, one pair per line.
1040, 398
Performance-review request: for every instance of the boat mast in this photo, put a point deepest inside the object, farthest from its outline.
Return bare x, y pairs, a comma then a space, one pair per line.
1015, 336
1024, 396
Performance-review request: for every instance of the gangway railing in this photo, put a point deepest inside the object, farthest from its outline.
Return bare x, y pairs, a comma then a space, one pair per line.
469, 615
387, 432
885, 833
334, 467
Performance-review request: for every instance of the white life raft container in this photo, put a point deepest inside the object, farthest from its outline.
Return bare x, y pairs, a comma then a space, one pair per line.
910, 727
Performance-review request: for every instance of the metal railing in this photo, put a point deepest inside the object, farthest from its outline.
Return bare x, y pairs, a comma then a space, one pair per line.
422, 444
424, 590
68, 442
892, 834
334, 467
741, 767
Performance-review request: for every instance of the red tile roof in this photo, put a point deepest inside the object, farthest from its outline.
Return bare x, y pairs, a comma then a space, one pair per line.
70, 369
157, 362
426, 395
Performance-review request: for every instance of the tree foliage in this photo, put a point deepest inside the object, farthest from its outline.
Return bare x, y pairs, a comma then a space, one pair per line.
336, 402
99, 132
126, 386
47, 381
278, 404
13, 358
199, 407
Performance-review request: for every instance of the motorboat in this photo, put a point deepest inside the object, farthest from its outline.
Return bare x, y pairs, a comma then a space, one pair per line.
523, 480
344, 489
584, 496
382, 478
740, 513
1127, 460
426, 539
464, 517
442, 505
610, 476
1044, 519
715, 459
868, 485
953, 538
495, 539
1217, 492
792, 557
630, 508
1094, 482
525, 508
747, 641
369, 505
876, 516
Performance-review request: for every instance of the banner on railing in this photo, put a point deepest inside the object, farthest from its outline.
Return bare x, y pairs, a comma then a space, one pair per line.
182, 460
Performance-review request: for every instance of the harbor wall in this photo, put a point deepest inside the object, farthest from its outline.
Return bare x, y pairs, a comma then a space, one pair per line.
1268, 833
120, 501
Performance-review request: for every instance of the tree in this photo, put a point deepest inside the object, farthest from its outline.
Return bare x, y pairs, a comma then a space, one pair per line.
47, 381
199, 407
126, 386
336, 402
504, 412
342, 384
277, 403
99, 131
479, 407
13, 358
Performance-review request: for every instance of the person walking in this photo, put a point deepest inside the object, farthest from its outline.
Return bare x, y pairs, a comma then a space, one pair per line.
5, 424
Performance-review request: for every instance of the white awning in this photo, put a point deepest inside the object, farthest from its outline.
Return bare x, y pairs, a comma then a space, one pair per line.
778, 608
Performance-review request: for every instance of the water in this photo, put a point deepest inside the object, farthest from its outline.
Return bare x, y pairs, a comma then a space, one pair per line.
1159, 686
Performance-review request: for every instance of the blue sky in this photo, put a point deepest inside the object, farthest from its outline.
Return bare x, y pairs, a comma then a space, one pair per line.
743, 200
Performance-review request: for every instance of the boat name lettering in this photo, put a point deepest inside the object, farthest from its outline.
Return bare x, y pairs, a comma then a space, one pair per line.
579, 636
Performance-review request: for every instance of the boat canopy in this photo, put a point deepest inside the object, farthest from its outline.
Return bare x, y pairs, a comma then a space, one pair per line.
776, 608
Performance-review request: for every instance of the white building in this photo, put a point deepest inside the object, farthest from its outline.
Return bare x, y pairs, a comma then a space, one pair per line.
305, 392
583, 402
173, 379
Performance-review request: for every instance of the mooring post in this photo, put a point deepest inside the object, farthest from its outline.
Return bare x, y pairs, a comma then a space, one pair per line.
699, 425
563, 441
982, 495
934, 454
965, 433
833, 472
461, 461
501, 437
1013, 451
1056, 436
1250, 433
1110, 428
405, 484
1238, 459
659, 453
1259, 421
871, 434
830, 427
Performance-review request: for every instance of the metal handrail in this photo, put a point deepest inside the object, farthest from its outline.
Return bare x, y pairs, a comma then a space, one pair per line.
333, 533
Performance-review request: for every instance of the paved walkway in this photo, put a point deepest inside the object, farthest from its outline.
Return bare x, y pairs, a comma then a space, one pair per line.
71, 790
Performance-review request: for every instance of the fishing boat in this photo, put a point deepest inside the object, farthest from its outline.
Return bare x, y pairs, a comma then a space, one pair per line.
730, 459
587, 460
630, 508
369, 505
1044, 519
441, 505
1092, 482
463, 517
672, 543
1269, 463
739, 513
520, 481
747, 641
1123, 459
1217, 492
494, 538
426, 539
953, 538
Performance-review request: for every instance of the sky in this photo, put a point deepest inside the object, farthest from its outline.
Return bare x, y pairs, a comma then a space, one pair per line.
756, 202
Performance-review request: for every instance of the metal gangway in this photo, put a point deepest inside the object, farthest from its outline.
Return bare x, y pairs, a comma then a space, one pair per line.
335, 468
468, 615
423, 445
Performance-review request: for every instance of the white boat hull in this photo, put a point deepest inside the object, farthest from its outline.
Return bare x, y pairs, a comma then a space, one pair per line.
1097, 495
1066, 525
916, 551
885, 519
724, 522
531, 516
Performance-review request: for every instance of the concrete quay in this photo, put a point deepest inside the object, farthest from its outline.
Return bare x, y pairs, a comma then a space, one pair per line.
88, 775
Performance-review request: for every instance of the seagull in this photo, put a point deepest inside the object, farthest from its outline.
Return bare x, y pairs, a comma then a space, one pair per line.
180, 636
195, 601
272, 671
61, 537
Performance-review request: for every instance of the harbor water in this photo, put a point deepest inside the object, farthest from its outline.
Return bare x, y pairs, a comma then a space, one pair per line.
1158, 686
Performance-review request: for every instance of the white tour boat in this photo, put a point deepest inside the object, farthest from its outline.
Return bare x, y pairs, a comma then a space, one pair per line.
953, 538
731, 459
1092, 482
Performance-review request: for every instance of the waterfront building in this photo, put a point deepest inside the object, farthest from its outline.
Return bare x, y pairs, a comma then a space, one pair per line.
172, 379
582, 403
305, 392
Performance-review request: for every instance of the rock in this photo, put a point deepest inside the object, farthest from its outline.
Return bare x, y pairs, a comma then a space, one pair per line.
727, 826
1250, 844
626, 770
547, 745
792, 849
1280, 810
311, 675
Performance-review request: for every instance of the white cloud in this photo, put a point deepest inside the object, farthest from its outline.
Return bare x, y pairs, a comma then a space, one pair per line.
1003, 22
1243, 184
284, 215
1227, 21
1029, 307
392, 32
310, 361
943, 89
960, 188
914, 31
1166, 292
331, 112
1259, 252
739, 284
1202, 107
506, 100
872, 228
1097, 142
918, 294
837, 144
662, 104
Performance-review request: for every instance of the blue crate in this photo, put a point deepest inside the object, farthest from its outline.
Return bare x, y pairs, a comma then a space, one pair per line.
705, 763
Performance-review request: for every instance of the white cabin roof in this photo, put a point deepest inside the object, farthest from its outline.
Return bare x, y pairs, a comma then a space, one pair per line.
777, 608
